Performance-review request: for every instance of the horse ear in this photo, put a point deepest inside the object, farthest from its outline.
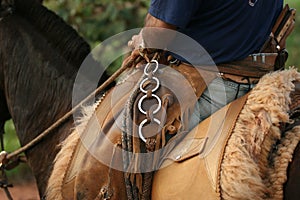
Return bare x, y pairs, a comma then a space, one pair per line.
7, 3
6, 7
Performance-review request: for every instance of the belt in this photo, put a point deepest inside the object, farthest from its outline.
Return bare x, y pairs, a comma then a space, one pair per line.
238, 79
248, 70
254, 66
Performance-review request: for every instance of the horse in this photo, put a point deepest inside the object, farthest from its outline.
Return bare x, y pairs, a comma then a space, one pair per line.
39, 62
40, 56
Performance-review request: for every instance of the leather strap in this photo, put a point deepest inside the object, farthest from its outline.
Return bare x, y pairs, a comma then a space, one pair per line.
254, 66
198, 78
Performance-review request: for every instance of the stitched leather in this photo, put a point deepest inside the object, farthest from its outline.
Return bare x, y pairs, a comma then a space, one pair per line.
187, 86
200, 152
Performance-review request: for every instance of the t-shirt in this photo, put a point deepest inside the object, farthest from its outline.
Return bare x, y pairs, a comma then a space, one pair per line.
227, 29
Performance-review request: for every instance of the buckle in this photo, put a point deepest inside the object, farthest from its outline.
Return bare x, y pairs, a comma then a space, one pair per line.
262, 57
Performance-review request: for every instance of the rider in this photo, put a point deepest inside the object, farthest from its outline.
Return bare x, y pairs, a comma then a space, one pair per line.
229, 30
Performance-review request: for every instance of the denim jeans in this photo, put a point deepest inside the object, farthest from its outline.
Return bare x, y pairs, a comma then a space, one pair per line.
218, 94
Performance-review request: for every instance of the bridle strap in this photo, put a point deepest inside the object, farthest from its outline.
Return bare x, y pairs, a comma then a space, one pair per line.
3, 181
2, 135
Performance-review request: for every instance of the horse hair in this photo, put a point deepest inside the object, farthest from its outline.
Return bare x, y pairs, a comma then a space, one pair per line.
71, 46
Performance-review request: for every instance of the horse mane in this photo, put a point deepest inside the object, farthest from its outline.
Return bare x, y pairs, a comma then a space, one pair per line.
69, 44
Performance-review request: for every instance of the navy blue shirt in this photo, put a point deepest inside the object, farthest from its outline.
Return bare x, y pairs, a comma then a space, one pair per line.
227, 29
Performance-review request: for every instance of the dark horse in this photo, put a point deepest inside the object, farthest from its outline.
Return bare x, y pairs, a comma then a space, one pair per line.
39, 59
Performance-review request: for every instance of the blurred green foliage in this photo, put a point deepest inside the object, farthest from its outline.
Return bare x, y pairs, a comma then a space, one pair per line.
293, 41
22, 172
98, 20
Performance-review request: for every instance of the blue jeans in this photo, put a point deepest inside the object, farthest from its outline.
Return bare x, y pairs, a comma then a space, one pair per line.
218, 94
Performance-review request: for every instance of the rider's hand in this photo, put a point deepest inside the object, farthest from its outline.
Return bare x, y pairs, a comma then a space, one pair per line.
136, 42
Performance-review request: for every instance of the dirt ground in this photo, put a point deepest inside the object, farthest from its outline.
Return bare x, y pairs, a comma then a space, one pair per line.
22, 191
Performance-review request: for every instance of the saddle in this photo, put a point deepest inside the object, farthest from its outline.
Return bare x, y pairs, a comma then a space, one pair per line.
183, 159
180, 88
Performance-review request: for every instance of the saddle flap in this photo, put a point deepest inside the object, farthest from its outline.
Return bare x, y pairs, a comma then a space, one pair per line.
208, 139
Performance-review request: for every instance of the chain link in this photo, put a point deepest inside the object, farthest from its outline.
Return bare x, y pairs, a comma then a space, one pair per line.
149, 72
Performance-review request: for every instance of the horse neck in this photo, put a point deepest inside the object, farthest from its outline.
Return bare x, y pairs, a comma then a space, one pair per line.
38, 86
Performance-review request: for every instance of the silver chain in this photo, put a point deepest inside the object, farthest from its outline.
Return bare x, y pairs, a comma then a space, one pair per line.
149, 72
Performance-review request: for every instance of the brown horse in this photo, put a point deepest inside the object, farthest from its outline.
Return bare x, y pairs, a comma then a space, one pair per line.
38, 66
40, 56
